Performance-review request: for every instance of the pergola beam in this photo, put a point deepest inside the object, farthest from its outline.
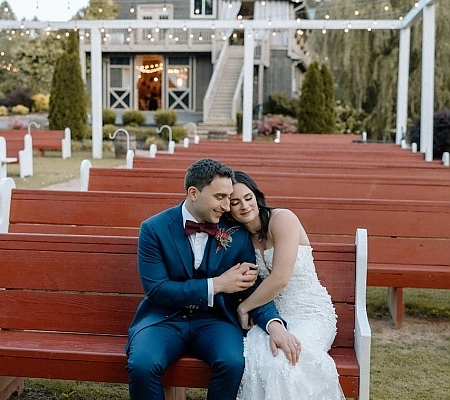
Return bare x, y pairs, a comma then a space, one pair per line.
206, 24
415, 13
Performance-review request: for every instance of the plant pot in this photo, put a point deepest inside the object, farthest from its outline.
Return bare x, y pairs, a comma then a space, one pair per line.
120, 144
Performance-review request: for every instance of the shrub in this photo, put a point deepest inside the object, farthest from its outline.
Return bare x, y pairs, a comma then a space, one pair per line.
165, 117
349, 119
161, 144
133, 118
329, 106
22, 96
41, 102
68, 100
20, 109
3, 111
279, 103
107, 130
271, 123
441, 133
178, 133
310, 113
16, 124
108, 116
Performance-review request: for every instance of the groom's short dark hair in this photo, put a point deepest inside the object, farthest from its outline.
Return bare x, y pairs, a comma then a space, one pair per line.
202, 172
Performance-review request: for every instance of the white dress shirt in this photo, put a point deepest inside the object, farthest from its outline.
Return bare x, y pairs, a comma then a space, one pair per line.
198, 242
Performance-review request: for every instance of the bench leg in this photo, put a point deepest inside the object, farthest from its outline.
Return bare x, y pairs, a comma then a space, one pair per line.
10, 385
396, 305
174, 393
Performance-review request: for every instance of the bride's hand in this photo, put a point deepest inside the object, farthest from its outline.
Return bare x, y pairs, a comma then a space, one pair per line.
245, 320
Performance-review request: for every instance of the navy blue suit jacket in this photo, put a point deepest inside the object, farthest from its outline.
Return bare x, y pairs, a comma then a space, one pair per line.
165, 263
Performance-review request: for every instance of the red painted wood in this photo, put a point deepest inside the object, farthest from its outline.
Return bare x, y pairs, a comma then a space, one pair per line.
282, 184
81, 293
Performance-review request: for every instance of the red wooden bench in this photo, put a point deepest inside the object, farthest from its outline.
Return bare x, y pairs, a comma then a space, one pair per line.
68, 302
43, 140
16, 150
277, 183
301, 165
401, 251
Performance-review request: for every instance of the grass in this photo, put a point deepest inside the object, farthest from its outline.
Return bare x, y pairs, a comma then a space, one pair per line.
52, 169
411, 363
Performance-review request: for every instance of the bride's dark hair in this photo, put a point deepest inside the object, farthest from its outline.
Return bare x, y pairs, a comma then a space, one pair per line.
264, 209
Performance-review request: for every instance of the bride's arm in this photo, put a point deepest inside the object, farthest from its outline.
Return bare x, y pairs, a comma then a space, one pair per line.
286, 233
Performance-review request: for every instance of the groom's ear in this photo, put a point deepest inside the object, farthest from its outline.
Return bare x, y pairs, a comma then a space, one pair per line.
192, 193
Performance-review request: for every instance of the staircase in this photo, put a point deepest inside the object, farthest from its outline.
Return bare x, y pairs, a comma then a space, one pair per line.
220, 117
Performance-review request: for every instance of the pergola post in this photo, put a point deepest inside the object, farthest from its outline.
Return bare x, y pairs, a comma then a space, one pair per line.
249, 54
96, 92
403, 84
427, 98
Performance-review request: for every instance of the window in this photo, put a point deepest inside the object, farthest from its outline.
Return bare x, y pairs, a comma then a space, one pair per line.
203, 9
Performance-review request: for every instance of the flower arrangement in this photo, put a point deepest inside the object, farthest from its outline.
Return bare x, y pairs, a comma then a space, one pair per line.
223, 237
17, 125
272, 123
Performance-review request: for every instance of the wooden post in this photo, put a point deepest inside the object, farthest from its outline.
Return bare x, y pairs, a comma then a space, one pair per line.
10, 385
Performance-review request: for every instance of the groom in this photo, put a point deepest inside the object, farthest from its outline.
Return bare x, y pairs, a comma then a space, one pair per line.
194, 276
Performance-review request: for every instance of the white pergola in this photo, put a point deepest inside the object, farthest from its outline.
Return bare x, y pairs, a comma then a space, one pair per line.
426, 8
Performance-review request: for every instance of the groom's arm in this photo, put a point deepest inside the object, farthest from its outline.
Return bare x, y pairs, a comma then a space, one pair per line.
167, 284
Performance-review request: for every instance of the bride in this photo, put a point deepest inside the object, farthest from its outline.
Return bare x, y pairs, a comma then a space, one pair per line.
285, 263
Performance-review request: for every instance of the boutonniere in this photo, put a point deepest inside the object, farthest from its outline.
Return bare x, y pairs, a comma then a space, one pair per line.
223, 237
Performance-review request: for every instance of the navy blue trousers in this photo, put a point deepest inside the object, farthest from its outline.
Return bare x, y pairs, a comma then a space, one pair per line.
210, 338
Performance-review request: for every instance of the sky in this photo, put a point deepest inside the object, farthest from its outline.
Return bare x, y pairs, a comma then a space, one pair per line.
46, 10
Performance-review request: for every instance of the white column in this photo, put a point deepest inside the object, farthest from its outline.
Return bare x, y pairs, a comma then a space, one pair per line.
427, 97
249, 54
260, 89
402, 84
96, 92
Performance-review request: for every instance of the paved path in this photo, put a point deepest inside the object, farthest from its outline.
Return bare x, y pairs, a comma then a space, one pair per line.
73, 184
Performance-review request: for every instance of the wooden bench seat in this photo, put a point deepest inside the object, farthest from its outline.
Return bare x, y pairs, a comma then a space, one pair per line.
68, 302
399, 242
277, 183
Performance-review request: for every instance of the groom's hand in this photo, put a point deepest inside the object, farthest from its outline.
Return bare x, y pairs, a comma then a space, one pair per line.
237, 278
280, 338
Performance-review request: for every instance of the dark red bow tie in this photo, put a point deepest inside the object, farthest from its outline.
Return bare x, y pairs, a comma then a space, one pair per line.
192, 227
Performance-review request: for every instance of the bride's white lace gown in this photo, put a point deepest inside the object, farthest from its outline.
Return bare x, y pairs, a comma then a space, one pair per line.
306, 306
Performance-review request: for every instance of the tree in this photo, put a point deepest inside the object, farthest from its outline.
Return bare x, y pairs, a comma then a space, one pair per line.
36, 60
99, 9
68, 98
329, 112
310, 114
11, 77
364, 64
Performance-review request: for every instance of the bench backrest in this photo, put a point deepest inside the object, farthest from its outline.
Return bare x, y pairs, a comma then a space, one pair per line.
32, 210
281, 184
13, 146
398, 230
94, 213
90, 284
47, 138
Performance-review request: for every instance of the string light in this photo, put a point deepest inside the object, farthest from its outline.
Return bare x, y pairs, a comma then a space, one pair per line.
370, 9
